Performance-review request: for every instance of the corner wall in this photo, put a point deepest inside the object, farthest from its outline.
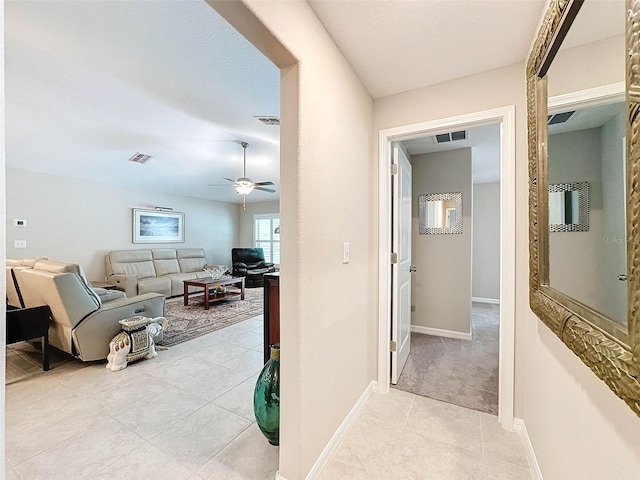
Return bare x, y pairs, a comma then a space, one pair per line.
327, 308
81, 221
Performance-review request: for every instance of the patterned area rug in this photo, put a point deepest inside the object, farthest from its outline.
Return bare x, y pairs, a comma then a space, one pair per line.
462, 372
193, 321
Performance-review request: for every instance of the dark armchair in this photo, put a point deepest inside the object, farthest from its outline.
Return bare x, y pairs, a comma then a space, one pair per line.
250, 263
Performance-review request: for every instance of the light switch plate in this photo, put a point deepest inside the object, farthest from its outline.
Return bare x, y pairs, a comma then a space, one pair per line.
18, 222
19, 244
345, 253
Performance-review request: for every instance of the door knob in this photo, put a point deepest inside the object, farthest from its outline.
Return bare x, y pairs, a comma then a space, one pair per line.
622, 277
412, 269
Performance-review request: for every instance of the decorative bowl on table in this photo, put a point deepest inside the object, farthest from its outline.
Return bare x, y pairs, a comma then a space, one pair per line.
215, 271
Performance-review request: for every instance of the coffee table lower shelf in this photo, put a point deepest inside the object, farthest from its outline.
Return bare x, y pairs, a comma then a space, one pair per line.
208, 284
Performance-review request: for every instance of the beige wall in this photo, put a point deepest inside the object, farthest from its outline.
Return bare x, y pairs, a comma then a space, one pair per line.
485, 270
575, 258
578, 427
328, 326
246, 220
81, 221
441, 286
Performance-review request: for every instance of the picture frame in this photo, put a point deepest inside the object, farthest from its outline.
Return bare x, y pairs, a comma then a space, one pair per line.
157, 226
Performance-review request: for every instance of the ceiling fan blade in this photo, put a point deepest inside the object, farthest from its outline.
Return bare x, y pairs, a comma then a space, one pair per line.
225, 178
220, 185
270, 190
262, 183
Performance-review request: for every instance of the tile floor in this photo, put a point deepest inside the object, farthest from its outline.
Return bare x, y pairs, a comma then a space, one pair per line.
187, 414
404, 436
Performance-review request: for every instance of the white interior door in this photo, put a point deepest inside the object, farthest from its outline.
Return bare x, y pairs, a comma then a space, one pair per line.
401, 270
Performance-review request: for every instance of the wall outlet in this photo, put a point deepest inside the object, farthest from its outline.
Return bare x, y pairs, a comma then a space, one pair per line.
19, 244
345, 253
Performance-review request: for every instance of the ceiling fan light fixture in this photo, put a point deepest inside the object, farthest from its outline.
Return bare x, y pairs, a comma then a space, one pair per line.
244, 186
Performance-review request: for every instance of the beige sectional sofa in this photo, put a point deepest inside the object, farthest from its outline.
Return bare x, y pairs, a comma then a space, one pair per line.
160, 270
82, 324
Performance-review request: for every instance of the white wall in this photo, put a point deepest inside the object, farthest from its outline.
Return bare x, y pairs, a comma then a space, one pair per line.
578, 427
246, 220
485, 270
81, 221
328, 322
441, 285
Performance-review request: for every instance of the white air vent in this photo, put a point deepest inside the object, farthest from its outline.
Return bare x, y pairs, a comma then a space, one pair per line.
268, 120
451, 137
140, 158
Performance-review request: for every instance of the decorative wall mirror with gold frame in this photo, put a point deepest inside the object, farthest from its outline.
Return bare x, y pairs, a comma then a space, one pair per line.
610, 349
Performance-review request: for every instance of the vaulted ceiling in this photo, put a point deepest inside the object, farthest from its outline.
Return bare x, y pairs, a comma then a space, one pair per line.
89, 84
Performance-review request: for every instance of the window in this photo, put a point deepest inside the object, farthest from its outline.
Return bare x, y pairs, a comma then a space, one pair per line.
266, 235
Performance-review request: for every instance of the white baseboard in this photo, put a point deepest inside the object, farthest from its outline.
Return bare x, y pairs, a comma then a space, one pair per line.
278, 476
438, 332
337, 438
521, 429
494, 301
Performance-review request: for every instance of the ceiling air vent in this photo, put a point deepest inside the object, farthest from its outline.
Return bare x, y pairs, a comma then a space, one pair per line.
559, 118
451, 137
268, 120
140, 158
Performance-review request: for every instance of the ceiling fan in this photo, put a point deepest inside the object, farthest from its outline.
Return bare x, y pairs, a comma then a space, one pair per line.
244, 185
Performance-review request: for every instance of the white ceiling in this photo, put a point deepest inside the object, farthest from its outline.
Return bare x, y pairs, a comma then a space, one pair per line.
399, 45
88, 84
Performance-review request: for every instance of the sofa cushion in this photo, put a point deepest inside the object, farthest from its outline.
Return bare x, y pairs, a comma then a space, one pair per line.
131, 262
166, 267
24, 262
177, 287
164, 253
160, 285
54, 266
189, 265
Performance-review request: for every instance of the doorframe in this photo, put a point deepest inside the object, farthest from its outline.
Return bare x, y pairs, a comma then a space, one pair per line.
505, 117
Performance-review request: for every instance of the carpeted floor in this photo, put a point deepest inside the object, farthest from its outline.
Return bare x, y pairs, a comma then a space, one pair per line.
193, 320
461, 372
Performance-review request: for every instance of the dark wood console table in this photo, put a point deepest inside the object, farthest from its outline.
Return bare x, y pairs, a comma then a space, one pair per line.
271, 311
29, 323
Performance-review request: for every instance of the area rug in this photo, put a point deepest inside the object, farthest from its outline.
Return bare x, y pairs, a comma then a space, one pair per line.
186, 323
461, 372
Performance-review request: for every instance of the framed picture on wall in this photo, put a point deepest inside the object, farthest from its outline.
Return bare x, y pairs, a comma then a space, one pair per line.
153, 226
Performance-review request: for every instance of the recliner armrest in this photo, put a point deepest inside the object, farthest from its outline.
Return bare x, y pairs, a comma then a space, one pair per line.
127, 283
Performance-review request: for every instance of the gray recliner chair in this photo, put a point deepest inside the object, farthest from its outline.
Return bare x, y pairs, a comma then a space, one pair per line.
82, 324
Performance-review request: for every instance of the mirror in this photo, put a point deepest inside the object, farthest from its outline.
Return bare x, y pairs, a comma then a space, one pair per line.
440, 213
584, 297
569, 207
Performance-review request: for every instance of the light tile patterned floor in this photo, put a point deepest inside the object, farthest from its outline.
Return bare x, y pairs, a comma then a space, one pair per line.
186, 414
404, 436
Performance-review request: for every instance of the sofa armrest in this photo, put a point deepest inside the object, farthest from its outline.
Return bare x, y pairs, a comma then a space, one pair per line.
240, 269
127, 283
92, 336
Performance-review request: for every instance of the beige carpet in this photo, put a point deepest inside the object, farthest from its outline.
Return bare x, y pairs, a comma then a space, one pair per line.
461, 372
193, 320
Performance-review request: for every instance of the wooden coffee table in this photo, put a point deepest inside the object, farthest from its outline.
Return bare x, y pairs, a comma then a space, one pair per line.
208, 284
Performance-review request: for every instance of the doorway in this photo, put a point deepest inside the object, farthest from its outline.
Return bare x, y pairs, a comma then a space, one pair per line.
505, 118
455, 245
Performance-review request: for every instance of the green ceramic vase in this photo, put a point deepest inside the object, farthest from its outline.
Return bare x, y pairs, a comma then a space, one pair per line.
266, 397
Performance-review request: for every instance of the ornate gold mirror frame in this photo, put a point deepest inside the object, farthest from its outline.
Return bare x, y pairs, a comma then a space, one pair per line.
615, 359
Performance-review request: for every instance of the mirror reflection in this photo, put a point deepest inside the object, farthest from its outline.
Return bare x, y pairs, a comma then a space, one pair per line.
569, 207
587, 251
440, 213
